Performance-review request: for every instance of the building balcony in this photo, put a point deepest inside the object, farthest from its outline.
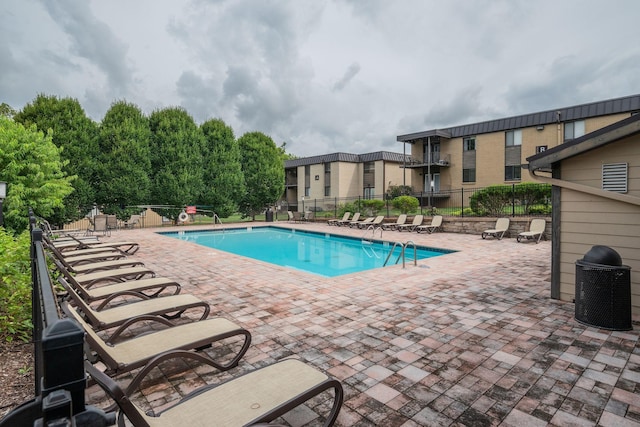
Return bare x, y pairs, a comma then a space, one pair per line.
430, 159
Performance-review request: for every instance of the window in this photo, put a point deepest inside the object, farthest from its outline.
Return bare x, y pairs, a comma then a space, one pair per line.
369, 167
573, 130
512, 173
513, 138
468, 175
307, 191
327, 191
469, 144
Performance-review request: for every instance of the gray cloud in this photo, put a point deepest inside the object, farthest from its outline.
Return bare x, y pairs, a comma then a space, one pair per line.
322, 75
92, 40
349, 74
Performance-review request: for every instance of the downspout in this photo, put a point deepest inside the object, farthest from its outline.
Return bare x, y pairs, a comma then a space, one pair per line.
429, 170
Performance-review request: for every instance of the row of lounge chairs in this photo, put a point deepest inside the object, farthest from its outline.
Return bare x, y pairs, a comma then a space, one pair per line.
378, 221
135, 320
535, 232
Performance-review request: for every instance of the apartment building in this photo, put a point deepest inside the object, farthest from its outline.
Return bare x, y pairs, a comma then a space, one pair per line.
322, 182
494, 152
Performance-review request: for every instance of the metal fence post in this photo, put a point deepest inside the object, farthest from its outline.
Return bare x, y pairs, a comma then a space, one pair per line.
462, 202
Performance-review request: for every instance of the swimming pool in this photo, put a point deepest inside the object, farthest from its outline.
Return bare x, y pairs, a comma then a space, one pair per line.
324, 254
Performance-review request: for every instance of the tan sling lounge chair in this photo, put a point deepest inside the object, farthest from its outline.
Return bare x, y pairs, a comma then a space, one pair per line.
143, 288
376, 221
436, 223
345, 218
357, 222
123, 356
104, 317
417, 221
401, 220
536, 231
259, 396
128, 247
502, 225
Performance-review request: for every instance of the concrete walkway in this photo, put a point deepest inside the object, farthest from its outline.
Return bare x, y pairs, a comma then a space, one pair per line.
465, 339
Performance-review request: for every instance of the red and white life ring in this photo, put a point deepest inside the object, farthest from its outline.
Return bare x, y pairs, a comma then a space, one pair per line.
183, 217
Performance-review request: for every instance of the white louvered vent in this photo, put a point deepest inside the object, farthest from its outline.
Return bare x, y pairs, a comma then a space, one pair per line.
614, 177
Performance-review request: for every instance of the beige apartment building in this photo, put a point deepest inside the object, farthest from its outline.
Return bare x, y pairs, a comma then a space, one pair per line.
487, 153
320, 183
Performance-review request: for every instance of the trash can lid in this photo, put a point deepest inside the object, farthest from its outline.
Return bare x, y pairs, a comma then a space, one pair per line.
603, 255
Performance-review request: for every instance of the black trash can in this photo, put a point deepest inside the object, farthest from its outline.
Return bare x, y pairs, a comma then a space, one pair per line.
268, 215
603, 290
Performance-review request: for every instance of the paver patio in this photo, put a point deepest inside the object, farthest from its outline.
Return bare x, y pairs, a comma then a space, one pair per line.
470, 338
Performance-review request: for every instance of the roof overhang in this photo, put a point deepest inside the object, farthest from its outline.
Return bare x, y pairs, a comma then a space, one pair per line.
615, 132
412, 138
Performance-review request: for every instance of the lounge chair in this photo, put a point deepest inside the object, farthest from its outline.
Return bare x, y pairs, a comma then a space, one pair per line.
309, 216
121, 356
436, 223
335, 221
127, 247
297, 217
103, 316
376, 221
112, 277
536, 231
355, 217
401, 220
417, 221
259, 396
356, 223
290, 214
90, 267
502, 225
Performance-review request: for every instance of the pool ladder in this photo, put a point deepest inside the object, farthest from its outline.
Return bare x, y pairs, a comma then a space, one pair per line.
373, 230
216, 217
403, 249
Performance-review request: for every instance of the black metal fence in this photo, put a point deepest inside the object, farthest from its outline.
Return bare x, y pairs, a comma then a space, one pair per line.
525, 199
60, 378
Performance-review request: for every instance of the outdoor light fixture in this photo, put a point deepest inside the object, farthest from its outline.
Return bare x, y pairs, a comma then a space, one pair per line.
3, 195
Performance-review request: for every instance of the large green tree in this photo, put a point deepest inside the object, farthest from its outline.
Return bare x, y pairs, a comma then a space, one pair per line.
125, 164
263, 170
223, 178
30, 164
176, 159
77, 134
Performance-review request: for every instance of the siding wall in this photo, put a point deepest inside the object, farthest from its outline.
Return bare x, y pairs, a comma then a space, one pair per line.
587, 220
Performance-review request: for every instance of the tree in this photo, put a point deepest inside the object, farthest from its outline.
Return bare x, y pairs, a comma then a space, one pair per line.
30, 164
283, 152
125, 165
77, 134
176, 159
6, 110
263, 170
223, 178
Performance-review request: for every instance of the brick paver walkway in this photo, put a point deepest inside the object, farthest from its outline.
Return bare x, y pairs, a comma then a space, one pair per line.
466, 339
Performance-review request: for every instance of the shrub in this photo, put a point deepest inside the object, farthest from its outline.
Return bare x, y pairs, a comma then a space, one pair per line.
15, 286
406, 204
373, 206
494, 200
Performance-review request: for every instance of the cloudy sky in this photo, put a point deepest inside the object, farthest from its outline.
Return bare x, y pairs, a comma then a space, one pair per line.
322, 76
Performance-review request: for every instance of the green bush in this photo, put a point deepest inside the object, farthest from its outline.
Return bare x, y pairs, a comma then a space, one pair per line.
496, 199
373, 206
15, 286
406, 204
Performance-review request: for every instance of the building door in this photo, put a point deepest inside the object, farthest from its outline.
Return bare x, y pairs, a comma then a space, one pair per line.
435, 178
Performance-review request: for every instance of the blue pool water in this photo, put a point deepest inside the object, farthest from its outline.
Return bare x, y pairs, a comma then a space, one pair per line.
319, 253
